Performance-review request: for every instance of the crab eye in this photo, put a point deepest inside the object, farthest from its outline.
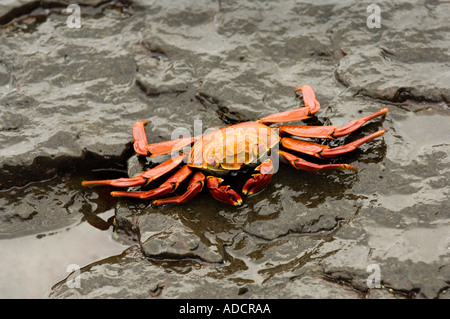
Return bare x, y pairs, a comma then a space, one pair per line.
211, 161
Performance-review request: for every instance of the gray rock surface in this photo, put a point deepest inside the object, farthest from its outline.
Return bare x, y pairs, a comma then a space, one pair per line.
69, 97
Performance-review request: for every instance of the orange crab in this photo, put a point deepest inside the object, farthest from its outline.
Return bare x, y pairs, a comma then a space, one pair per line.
235, 148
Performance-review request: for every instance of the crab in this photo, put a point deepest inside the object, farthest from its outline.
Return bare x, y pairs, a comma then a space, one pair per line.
253, 145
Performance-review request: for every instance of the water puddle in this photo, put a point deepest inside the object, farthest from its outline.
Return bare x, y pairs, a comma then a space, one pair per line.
32, 264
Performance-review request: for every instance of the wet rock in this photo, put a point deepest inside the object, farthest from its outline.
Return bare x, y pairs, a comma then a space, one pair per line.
392, 81
313, 287
132, 276
164, 237
391, 73
302, 220
173, 240
69, 98
68, 90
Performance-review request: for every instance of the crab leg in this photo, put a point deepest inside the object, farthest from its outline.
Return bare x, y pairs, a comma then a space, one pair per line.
300, 163
143, 178
195, 186
223, 193
142, 147
328, 131
168, 186
311, 107
324, 151
260, 180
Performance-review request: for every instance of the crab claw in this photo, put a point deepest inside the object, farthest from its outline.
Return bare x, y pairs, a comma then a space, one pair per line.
260, 180
223, 193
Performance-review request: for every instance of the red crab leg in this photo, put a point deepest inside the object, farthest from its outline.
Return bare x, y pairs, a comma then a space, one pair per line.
324, 151
311, 107
223, 193
300, 163
195, 186
168, 186
328, 131
260, 180
143, 178
142, 147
